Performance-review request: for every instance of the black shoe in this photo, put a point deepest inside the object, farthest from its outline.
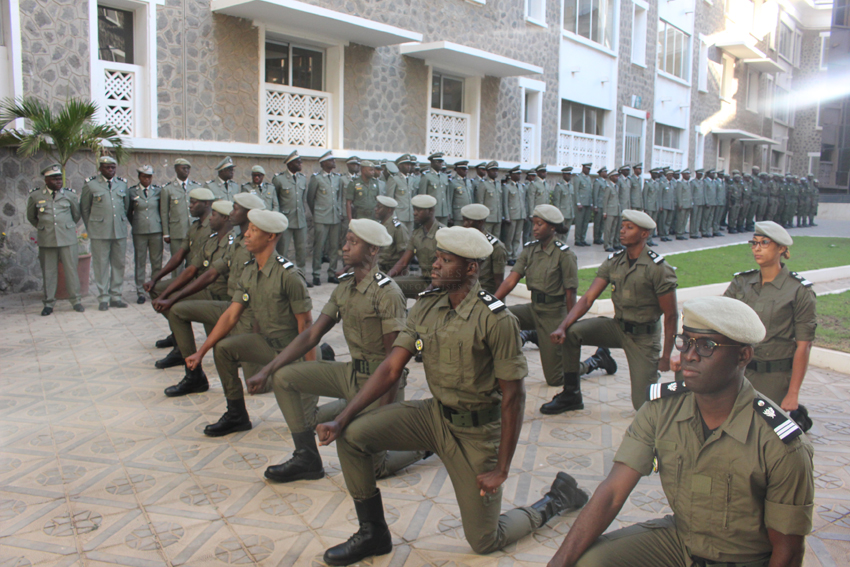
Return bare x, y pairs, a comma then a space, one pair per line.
568, 400
563, 495
732, 231
325, 259
117, 303
140, 300
511, 262
309, 285
316, 281
327, 352
801, 416
173, 358
609, 249
79, 308
529, 337
305, 464
651, 243
619, 247
194, 382
103, 306
333, 279
812, 224
681, 238
167, 342
718, 234
605, 361
598, 242
665, 239
373, 537
418, 357
234, 419
46, 311
695, 236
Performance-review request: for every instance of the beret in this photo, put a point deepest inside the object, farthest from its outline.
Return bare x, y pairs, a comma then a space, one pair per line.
202, 194
52, 169
249, 201
549, 213
106, 159
639, 218
272, 222
774, 232
467, 243
223, 207
492, 165
146, 169
372, 232
424, 202
725, 316
258, 169
475, 211
392, 167
366, 163
326, 156
387, 201
224, 164
291, 157
182, 161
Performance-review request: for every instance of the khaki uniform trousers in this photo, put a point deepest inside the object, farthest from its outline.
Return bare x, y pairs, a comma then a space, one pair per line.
696, 220
249, 350
612, 231
325, 237
654, 216
642, 351
708, 221
412, 286
305, 381
598, 226
719, 211
49, 258
544, 318
144, 246
185, 312
582, 220
298, 238
465, 451
173, 247
665, 217
107, 255
493, 228
682, 221
513, 238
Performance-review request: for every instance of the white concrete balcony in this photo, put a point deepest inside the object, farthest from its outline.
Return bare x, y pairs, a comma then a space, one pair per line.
296, 117
667, 157
448, 132
117, 94
575, 148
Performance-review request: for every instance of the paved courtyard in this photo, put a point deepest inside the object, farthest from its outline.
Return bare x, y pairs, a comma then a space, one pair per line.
98, 467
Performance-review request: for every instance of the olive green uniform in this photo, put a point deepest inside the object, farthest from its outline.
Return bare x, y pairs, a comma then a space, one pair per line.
725, 491
174, 214
598, 222
465, 351
145, 220
55, 216
398, 188
425, 246
548, 271
104, 205
636, 327
324, 197
390, 255
564, 198
610, 209
489, 193
223, 190
786, 306
461, 194
685, 204
291, 192
363, 196
494, 264
196, 238
437, 185
265, 191
514, 209
584, 199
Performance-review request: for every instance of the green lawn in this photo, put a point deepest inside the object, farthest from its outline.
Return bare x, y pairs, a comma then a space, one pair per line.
834, 322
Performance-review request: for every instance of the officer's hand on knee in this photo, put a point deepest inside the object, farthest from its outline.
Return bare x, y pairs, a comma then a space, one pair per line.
328, 432
148, 286
489, 482
558, 336
193, 361
161, 305
257, 383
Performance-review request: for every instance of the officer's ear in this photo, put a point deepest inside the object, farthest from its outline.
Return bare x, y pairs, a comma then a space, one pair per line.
745, 355
374, 250
472, 269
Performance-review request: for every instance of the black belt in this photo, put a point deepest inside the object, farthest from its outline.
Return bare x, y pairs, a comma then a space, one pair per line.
540, 297
764, 366
708, 563
637, 328
472, 418
364, 366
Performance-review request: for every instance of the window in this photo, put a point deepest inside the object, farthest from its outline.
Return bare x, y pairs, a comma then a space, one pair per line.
536, 10
814, 163
294, 66
115, 35
798, 47
2, 24
819, 117
824, 50
780, 104
580, 118
753, 91
768, 97
776, 161
592, 19
446, 92
673, 48
786, 41
633, 140
639, 35
703, 66
727, 78
668, 136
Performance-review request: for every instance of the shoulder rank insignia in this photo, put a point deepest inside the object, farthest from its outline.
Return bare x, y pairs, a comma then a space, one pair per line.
210, 182
655, 256
34, 190
231, 238
284, 262
276, 174
801, 279
429, 291
530, 242
664, 390
345, 276
120, 179
382, 279
491, 239
561, 245
745, 272
90, 178
785, 427
617, 253
396, 223
213, 235
251, 261
495, 304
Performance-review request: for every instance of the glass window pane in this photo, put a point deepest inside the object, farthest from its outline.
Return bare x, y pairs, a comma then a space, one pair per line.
452, 94
436, 91
2, 26
115, 35
595, 26
578, 118
671, 48
307, 68
277, 63
590, 120
678, 69
585, 7
527, 105
658, 139
660, 49
570, 15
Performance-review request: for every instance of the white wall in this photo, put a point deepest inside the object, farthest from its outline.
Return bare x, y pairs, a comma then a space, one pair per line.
582, 71
680, 13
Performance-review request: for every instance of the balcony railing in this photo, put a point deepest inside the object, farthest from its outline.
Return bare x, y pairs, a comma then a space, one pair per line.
448, 132
119, 96
575, 148
296, 117
527, 142
667, 157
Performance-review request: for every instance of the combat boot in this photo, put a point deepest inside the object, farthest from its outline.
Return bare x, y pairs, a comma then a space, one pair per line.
234, 419
602, 360
305, 464
563, 495
373, 537
568, 400
167, 342
173, 358
529, 337
194, 382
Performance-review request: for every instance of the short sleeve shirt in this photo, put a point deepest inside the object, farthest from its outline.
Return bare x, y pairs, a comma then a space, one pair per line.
425, 246
234, 261
389, 255
196, 238
635, 289
494, 264
466, 350
549, 269
214, 250
725, 491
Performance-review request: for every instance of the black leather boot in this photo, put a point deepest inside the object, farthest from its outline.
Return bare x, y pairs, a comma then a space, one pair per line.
602, 360
568, 400
305, 464
194, 382
801, 416
529, 337
167, 342
234, 419
563, 495
327, 352
373, 537
173, 358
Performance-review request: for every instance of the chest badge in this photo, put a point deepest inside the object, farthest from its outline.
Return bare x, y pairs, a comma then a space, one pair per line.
206, 263
245, 297
418, 344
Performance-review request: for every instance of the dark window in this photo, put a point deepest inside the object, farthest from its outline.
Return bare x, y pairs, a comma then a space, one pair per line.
115, 35
294, 66
581, 118
446, 92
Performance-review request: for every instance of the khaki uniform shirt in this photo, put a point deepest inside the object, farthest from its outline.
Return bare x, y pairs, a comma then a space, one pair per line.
467, 350
398, 188
425, 246
635, 290
368, 310
104, 209
550, 269
265, 191
390, 255
564, 198
212, 251
461, 194
223, 189
436, 184
489, 194
324, 197
196, 238
610, 204
725, 491
174, 208
636, 191
493, 264
54, 215
363, 196
599, 185
235, 259
624, 190
512, 201
144, 213
583, 189
291, 189
786, 306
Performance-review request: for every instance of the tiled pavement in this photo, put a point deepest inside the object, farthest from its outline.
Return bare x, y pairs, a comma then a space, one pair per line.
97, 467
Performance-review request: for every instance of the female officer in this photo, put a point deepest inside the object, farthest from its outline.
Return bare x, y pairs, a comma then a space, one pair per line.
785, 303
551, 274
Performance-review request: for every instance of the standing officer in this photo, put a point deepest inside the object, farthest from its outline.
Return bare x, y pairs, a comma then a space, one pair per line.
564, 197
584, 203
460, 191
398, 189
539, 191
734, 188
599, 184
489, 194
698, 196
273, 292
636, 181
514, 211
481, 175
644, 288
736, 471
352, 170
652, 199
291, 188
610, 210
492, 268
685, 204
435, 183
390, 254
104, 204
709, 195
262, 189
763, 193
475, 370
423, 243
146, 222
174, 209
223, 187
55, 211
624, 192
668, 205
324, 197
361, 193
719, 201
815, 199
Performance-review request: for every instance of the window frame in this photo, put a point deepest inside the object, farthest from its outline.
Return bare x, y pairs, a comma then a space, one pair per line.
667, 132
535, 12
727, 77
640, 30
785, 116
823, 64
753, 106
443, 77
599, 119
785, 44
129, 29
291, 46
663, 55
640, 115
702, 72
610, 24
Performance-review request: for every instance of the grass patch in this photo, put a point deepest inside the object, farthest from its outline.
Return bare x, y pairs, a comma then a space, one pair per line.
834, 322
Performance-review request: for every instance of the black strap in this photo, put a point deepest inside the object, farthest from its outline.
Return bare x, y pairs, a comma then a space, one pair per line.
766, 366
471, 418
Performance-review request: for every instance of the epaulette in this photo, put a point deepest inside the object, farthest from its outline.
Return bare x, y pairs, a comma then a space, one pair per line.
429, 291
561, 245
34, 190
785, 427
281, 173
250, 261
612, 254
495, 304
345, 276
801, 279
530, 242
231, 238
382, 279
120, 179
491, 239
746, 272
210, 181
315, 173
284, 262
396, 223
655, 256
664, 390
213, 235
91, 178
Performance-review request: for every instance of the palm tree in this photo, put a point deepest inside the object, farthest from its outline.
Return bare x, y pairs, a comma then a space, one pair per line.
59, 135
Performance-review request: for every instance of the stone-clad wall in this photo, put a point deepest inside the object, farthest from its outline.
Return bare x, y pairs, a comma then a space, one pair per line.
806, 137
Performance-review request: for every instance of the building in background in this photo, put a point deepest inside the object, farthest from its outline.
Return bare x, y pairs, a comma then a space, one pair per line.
834, 118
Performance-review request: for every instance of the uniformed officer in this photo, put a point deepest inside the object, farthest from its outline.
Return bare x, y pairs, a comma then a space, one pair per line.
174, 210
736, 471
373, 311
399, 190
352, 170
460, 191
223, 186
624, 188
273, 293
734, 193
815, 199
652, 199
291, 188
55, 211
698, 197
530, 177
435, 183
550, 270
610, 210
489, 194
492, 268
636, 181
684, 204
475, 370
480, 175
719, 201
144, 217
764, 194
391, 253
539, 190
564, 197
104, 204
710, 196
361, 193
668, 206
324, 197
598, 191
584, 203
643, 288
514, 211
423, 243
261, 188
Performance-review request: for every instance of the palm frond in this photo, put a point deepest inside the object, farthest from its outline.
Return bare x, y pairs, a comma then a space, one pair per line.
28, 108
11, 137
